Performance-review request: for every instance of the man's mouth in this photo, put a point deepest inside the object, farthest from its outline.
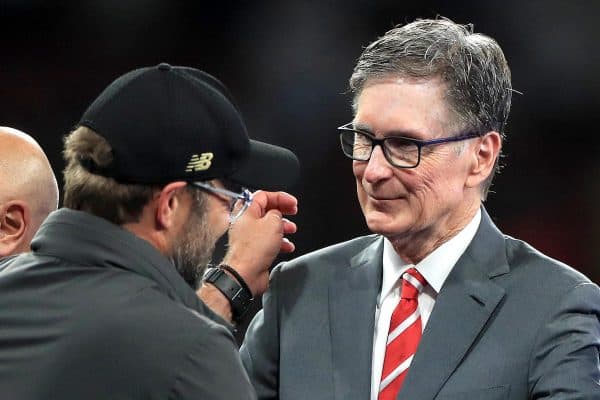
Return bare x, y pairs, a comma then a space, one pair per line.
383, 198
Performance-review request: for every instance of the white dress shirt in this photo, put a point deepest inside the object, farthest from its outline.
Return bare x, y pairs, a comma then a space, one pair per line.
435, 268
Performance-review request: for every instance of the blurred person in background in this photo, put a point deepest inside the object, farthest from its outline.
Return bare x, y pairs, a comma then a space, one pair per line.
104, 306
438, 302
28, 190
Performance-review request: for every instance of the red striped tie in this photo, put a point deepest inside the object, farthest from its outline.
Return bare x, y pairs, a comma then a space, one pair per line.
403, 337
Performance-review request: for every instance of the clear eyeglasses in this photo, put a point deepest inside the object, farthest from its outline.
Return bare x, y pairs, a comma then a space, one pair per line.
238, 202
400, 151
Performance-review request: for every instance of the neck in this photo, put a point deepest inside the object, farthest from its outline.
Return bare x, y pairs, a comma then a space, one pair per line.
155, 238
413, 247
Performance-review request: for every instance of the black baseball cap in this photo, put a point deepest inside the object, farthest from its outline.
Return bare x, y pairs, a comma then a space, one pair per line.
169, 123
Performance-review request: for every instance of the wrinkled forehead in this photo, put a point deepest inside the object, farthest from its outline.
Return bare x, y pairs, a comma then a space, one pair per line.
430, 81
401, 104
421, 97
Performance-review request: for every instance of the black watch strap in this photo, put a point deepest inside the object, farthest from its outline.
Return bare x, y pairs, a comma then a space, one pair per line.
239, 296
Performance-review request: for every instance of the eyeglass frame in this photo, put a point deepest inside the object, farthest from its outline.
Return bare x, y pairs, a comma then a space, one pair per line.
245, 196
417, 142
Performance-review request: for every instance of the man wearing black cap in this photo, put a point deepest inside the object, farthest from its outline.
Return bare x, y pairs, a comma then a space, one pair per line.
100, 308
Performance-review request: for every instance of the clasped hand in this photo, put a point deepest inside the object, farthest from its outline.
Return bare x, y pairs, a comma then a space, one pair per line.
259, 235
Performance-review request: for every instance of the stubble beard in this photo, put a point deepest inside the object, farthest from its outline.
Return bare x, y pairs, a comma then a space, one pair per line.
193, 250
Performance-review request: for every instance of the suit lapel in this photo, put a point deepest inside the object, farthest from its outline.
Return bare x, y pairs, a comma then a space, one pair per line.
352, 300
462, 309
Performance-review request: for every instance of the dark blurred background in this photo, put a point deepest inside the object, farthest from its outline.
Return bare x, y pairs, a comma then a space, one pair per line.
287, 64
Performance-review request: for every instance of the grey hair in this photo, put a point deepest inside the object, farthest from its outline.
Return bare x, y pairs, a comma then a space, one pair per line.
472, 65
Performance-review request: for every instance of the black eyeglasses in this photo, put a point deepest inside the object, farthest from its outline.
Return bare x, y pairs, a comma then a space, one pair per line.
235, 210
400, 151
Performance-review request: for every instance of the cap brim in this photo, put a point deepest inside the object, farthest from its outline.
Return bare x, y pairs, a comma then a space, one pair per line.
268, 167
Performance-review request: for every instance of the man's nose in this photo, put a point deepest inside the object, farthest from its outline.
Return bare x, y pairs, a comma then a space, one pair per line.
378, 166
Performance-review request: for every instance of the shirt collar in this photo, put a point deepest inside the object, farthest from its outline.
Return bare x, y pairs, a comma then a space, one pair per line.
435, 268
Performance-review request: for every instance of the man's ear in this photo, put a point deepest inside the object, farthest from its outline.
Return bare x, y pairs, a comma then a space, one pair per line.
168, 205
14, 220
484, 158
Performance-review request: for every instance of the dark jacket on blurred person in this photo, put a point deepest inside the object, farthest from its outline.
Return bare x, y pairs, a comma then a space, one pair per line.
94, 312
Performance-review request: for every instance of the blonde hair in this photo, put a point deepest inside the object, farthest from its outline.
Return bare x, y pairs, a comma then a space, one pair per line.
95, 194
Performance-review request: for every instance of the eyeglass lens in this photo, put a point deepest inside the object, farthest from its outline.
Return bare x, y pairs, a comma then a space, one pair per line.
239, 206
400, 152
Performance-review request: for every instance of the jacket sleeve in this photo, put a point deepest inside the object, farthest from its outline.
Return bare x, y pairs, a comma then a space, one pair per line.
260, 350
565, 361
205, 310
212, 370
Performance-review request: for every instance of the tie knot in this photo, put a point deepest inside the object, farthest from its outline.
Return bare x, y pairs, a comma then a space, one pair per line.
412, 284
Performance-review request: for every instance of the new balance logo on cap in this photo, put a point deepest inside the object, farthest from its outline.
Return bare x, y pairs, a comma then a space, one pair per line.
210, 125
199, 163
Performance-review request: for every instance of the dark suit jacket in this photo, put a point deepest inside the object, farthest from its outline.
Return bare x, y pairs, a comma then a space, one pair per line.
509, 323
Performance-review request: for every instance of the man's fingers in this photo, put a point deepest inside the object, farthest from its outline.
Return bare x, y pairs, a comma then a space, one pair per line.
289, 226
286, 203
274, 214
287, 246
282, 201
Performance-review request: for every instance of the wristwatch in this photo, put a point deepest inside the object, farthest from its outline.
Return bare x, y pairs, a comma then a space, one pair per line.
239, 297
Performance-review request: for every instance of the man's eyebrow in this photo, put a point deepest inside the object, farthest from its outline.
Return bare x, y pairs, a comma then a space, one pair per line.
362, 127
407, 134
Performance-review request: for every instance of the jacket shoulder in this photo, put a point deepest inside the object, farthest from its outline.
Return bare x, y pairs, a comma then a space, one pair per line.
331, 255
522, 257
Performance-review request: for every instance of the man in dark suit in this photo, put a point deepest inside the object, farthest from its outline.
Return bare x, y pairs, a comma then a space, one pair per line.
438, 303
